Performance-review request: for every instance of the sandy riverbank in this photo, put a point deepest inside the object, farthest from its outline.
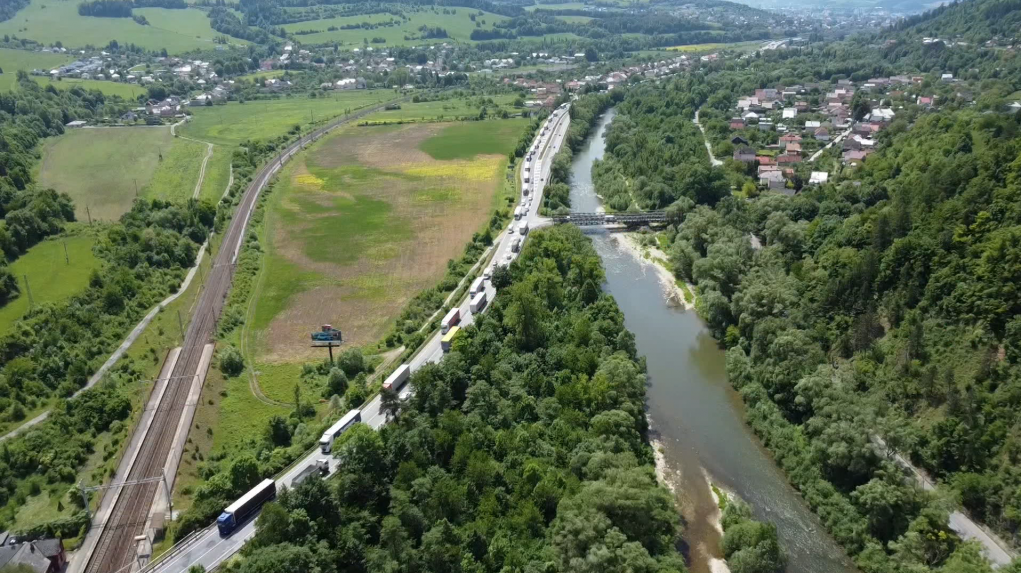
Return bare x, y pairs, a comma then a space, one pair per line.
657, 259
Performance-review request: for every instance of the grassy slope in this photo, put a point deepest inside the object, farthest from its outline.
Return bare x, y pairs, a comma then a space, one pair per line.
175, 177
233, 123
51, 279
99, 167
466, 140
459, 27
217, 174
445, 109
50, 21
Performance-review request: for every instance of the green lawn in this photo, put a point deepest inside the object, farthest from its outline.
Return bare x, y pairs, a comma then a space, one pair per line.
233, 123
175, 177
466, 140
445, 109
99, 168
458, 25
50, 277
50, 21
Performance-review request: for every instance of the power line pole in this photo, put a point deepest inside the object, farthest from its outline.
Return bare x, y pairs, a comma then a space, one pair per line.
28, 289
136, 187
67, 260
89, 214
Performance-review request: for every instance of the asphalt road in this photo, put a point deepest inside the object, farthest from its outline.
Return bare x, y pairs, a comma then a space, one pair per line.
207, 547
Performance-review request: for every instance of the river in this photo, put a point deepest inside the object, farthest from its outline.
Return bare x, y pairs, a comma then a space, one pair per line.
696, 416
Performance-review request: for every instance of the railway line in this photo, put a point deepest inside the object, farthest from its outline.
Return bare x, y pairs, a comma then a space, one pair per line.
114, 551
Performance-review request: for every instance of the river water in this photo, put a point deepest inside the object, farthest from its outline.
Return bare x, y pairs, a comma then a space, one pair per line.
696, 416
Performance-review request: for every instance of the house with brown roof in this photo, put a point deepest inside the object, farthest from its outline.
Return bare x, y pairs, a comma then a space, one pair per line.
788, 159
821, 134
789, 138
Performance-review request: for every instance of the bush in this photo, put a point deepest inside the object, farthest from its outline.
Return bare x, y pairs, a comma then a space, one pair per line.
232, 363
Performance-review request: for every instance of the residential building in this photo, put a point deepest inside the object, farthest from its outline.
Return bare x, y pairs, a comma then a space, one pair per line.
744, 154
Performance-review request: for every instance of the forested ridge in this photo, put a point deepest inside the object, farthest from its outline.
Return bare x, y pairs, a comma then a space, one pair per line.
881, 305
524, 449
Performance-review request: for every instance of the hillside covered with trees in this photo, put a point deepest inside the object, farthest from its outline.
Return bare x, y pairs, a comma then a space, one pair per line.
524, 449
880, 306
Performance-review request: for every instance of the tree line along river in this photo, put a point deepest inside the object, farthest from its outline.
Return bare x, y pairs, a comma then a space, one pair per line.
696, 417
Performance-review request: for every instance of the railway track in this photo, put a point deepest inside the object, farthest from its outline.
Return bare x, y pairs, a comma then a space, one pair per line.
115, 549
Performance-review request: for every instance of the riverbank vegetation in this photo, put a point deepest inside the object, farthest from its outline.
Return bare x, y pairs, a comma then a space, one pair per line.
524, 448
880, 305
585, 113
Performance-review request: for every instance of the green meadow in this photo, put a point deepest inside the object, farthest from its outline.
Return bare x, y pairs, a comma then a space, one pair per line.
445, 109
51, 278
49, 21
235, 122
466, 140
458, 25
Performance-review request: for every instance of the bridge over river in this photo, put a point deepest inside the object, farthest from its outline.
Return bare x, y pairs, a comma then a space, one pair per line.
628, 219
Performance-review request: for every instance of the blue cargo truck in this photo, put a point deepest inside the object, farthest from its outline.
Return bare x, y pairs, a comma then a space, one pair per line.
246, 506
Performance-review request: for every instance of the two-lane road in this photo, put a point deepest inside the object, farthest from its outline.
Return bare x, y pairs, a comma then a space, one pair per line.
206, 547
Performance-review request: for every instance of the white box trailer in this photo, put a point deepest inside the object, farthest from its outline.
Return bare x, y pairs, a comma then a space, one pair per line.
478, 285
516, 244
523, 228
517, 213
338, 428
398, 377
478, 302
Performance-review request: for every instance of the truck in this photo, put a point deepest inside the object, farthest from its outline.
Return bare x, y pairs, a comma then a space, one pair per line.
478, 302
523, 228
452, 317
326, 334
516, 244
245, 507
321, 467
338, 428
526, 178
526, 189
398, 377
448, 338
478, 285
517, 213
528, 167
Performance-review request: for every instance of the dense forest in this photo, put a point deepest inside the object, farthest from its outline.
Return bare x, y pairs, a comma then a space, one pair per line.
881, 306
524, 449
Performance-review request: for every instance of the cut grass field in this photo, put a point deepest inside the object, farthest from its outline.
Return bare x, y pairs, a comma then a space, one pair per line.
458, 25
444, 109
234, 123
99, 168
50, 277
367, 219
49, 21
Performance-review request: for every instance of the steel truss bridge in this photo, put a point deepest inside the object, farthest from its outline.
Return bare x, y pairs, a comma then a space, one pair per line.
632, 219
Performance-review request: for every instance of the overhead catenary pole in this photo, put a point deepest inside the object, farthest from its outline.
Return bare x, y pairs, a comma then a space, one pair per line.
28, 289
180, 324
